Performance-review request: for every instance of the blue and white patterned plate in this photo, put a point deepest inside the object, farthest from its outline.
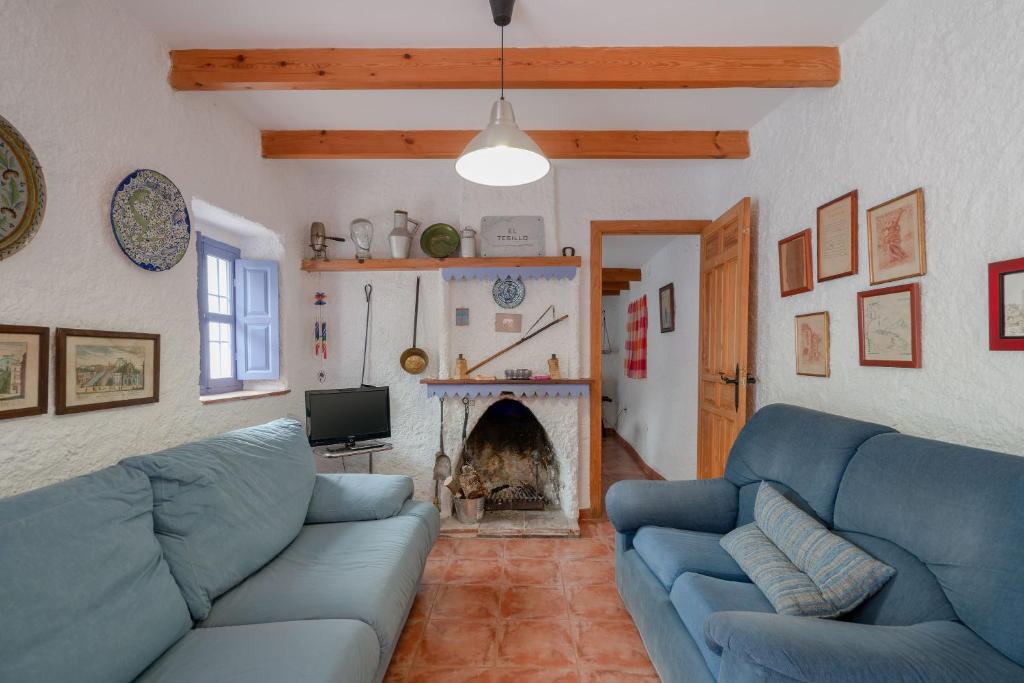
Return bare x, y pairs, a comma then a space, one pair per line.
509, 293
150, 220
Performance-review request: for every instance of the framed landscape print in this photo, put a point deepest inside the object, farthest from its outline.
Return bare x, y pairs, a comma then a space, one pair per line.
795, 265
896, 238
1006, 305
889, 322
812, 344
98, 370
24, 361
837, 237
667, 307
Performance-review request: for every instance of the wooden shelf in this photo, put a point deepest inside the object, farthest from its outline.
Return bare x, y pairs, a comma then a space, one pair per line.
582, 380
352, 265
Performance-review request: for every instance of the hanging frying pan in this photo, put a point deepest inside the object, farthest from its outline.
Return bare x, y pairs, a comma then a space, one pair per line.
414, 360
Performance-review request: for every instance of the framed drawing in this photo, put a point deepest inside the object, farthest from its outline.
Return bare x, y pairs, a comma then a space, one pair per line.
667, 307
1006, 305
795, 267
896, 238
889, 322
98, 370
812, 344
508, 322
837, 238
24, 361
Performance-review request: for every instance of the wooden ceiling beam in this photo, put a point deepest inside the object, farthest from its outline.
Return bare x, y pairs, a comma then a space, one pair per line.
611, 292
556, 144
530, 67
624, 274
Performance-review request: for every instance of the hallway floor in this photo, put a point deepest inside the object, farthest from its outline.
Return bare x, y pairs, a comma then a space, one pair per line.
525, 610
616, 464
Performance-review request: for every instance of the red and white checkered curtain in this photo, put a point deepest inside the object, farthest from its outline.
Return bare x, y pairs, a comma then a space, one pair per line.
636, 339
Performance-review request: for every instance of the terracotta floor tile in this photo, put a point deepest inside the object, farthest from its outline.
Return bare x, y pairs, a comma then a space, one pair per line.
394, 676
596, 601
461, 675
536, 548
590, 529
478, 548
534, 676
406, 648
533, 602
585, 548
588, 572
610, 645
471, 602
456, 642
531, 572
473, 571
610, 676
523, 644
445, 547
423, 602
435, 569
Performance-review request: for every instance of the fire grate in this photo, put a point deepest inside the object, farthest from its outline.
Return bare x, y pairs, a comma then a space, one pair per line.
518, 496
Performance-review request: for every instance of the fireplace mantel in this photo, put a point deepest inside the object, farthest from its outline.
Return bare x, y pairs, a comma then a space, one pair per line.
556, 388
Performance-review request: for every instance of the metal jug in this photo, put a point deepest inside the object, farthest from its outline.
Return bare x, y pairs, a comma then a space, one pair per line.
467, 245
400, 237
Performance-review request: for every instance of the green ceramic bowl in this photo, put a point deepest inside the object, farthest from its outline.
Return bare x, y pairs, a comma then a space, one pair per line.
440, 240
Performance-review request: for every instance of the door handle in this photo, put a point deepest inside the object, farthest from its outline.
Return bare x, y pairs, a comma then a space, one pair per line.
735, 381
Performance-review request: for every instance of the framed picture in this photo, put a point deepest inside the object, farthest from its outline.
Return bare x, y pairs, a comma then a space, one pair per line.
795, 264
837, 238
889, 321
812, 344
24, 362
98, 370
1006, 305
461, 317
896, 238
667, 307
508, 322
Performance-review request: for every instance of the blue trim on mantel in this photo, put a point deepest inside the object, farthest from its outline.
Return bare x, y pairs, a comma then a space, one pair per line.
528, 390
527, 273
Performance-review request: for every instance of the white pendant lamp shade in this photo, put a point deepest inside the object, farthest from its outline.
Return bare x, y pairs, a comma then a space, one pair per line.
501, 154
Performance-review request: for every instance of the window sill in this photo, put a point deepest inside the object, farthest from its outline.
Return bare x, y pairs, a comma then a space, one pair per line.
241, 396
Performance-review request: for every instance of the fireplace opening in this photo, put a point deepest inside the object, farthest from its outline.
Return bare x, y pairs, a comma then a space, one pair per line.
514, 457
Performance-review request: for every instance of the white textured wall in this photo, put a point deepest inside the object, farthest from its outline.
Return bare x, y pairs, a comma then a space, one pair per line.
87, 87
658, 414
930, 96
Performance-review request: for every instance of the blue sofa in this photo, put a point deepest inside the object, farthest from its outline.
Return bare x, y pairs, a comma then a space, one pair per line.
949, 519
228, 559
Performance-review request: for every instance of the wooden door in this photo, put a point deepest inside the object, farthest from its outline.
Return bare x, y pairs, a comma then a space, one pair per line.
724, 353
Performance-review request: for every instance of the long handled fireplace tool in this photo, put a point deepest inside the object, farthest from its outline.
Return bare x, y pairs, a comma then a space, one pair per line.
368, 289
442, 470
530, 334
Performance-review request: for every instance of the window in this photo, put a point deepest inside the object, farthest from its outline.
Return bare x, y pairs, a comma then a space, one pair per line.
217, 317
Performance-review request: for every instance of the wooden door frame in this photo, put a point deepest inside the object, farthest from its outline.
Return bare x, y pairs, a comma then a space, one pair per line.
598, 230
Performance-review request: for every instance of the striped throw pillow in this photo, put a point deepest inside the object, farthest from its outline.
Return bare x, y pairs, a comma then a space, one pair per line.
845, 574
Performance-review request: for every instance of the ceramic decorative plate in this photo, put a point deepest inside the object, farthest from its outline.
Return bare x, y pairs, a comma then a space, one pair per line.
509, 293
440, 240
150, 220
22, 191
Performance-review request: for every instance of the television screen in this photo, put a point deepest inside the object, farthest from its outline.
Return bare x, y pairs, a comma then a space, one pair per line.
347, 415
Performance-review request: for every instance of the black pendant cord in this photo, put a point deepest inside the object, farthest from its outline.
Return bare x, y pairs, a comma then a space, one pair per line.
502, 62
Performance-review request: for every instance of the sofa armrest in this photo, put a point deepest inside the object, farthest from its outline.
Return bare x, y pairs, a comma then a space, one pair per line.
757, 646
357, 497
698, 505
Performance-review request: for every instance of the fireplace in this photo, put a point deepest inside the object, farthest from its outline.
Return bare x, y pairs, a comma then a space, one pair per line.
513, 454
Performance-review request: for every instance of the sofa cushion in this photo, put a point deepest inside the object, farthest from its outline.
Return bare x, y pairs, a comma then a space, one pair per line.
912, 596
368, 571
324, 651
357, 497
804, 449
85, 594
845, 574
672, 552
696, 596
960, 511
224, 506
789, 590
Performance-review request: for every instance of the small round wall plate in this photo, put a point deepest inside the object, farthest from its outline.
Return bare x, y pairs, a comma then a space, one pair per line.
150, 220
509, 293
22, 191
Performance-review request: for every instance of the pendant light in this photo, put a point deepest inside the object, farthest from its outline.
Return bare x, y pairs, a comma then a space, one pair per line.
502, 155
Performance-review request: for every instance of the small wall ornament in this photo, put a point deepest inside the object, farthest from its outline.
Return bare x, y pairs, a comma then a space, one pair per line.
150, 221
22, 191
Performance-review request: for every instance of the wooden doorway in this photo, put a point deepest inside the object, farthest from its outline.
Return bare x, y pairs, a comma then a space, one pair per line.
724, 349
598, 231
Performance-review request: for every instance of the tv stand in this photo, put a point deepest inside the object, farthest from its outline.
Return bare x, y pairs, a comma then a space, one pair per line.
343, 450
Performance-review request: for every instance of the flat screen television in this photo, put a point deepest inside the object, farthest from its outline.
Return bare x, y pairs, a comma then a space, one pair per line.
346, 416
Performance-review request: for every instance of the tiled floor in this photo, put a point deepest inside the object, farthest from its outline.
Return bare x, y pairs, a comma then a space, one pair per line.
524, 610
616, 464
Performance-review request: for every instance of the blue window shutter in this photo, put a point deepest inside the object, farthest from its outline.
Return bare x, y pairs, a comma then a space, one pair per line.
256, 320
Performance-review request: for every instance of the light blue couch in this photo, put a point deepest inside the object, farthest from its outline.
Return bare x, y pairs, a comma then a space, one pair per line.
949, 519
228, 559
